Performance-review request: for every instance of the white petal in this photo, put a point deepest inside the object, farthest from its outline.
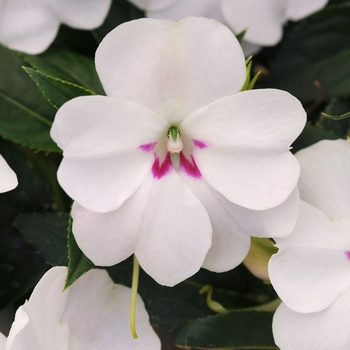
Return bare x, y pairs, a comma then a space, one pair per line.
325, 174
38, 322
2, 341
312, 267
109, 238
28, 26
97, 312
263, 19
246, 136
249, 48
153, 5
103, 163
325, 330
171, 67
275, 222
8, 178
175, 233
184, 8
298, 9
86, 14
230, 242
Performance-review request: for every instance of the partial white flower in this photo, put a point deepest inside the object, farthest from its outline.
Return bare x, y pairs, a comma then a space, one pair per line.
176, 164
8, 178
92, 314
32, 25
311, 271
263, 19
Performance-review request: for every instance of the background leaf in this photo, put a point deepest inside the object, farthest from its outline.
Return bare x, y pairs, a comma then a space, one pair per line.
316, 49
68, 66
47, 233
25, 116
237, 329
20, 265
55, 90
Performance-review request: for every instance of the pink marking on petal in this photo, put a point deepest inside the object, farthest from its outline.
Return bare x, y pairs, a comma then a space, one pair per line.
200, 144
347, 254
160, 170
190, 168
147, 147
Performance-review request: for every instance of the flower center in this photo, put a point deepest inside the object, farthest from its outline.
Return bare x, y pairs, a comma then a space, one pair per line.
174, 144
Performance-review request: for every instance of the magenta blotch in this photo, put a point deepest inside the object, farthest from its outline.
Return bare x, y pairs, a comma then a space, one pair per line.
347, 254
199, 144
160, 170
147, 147
190, 168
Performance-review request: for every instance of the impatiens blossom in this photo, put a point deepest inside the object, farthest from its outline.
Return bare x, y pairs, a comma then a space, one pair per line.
263, 19
93, 314
31, 25
311, 271
175, 164
8, 178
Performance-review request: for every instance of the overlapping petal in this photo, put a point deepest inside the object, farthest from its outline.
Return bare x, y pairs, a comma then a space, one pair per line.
325, 177
182, 8
8, 178
2, 342
32, 25
263, 19
92, 314
175, 234
312, 267
109, 238
98, 317
101, 138
298, 9
153, 5
230, 241
28, 26
87, 14
253, 139
162, 69
38, 322
274, 222
163, 222
328, 329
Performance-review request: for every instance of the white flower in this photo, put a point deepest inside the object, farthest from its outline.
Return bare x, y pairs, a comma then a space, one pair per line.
8, 178
31, 25
92, 314
174, 85
311, 271
263, 19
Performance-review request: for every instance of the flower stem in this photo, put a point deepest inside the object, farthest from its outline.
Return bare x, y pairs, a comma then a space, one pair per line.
212, 304
134, 287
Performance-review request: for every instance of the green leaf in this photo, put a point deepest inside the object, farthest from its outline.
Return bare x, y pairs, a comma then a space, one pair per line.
25, 116
237, 329
318, 49
240, 35
47, 233
78, 263
67, 66
55, 90
20, 264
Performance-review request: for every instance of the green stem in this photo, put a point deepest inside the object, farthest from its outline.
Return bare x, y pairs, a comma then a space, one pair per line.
134, 287
270, 306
